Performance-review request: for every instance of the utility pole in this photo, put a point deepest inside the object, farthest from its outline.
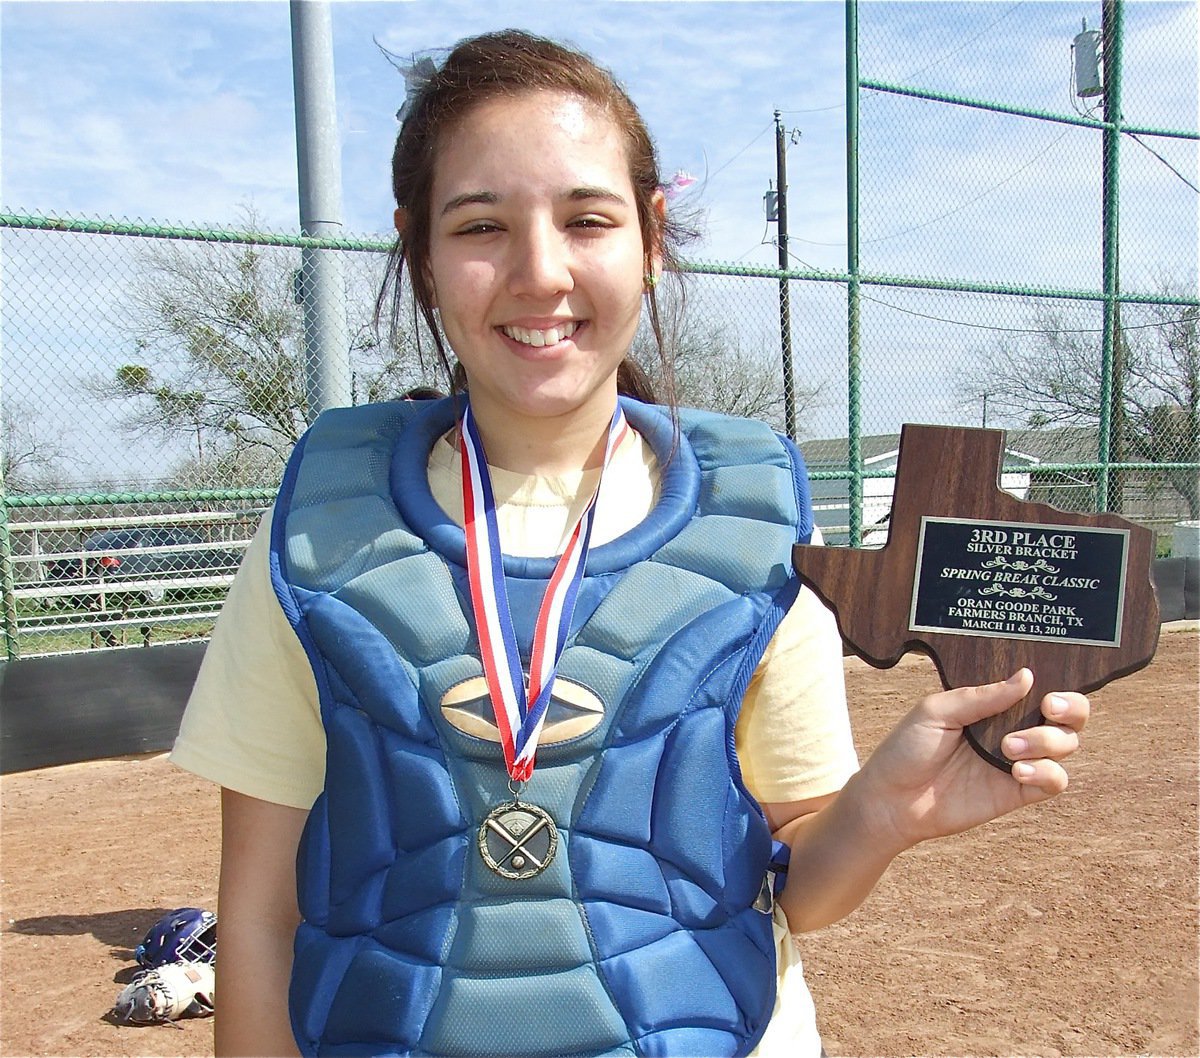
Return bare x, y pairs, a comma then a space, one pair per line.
785, 306
321, 286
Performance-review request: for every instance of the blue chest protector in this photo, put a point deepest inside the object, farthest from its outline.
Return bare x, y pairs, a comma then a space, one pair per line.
642, 935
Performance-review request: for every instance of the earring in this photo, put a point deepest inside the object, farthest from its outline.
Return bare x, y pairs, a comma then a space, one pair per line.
650, 281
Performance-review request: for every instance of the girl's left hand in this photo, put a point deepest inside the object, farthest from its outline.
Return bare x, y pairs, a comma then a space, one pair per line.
925, 780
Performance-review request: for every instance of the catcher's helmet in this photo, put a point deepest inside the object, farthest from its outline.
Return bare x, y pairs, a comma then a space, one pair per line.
187, 934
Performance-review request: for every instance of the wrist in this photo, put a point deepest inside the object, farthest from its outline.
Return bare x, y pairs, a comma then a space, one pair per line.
838, 855
870, 813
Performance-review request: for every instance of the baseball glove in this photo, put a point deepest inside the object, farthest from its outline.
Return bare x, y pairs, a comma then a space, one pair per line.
166, 993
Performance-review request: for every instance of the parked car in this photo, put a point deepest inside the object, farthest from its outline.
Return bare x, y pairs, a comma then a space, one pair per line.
151, 554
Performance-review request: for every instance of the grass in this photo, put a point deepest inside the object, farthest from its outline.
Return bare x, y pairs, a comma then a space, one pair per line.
133, 625
37, 643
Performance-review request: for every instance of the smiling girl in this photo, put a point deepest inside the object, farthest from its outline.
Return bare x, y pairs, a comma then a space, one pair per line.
529, 741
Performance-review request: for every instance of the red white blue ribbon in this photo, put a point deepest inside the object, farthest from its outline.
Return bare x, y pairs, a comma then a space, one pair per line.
519, 712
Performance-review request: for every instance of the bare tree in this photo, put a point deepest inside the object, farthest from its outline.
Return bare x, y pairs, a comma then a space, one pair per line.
217, 335
231, 468
1052, 377
32, 461
715, 372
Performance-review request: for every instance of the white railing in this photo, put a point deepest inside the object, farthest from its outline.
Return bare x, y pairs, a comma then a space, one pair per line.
108, 605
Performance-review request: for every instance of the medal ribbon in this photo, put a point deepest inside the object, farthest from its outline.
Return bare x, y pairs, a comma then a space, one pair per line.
519, 713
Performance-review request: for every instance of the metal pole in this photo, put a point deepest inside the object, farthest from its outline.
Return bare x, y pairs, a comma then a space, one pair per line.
8, 580
785, 304
853, 319
1110, 440
321, 287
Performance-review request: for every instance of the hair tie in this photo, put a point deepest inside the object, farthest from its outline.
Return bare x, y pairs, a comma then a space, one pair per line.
677, 183
417, 76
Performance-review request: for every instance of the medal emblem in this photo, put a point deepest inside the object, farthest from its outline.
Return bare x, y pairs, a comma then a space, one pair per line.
518, 840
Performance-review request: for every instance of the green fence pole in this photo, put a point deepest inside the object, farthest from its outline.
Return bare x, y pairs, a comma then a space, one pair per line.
92, 226
1024, 112
1110, 389
95, 499
853, 303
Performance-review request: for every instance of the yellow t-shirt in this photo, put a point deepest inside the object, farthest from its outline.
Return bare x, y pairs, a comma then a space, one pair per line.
253, 721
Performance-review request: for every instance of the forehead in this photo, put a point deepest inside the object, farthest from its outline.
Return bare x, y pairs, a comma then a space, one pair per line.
538, 133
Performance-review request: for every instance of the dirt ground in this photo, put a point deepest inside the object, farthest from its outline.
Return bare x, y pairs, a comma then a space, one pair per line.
1068, 929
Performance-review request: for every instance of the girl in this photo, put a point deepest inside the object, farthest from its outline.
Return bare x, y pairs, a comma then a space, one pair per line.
481, 801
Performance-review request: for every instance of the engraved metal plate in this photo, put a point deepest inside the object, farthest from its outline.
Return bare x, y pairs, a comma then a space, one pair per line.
518, 840
1013, 580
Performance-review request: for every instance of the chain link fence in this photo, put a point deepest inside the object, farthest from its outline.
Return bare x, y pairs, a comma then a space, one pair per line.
1022, 248
156, 378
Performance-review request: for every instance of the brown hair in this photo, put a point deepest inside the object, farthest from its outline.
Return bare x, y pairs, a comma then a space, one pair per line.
508, 63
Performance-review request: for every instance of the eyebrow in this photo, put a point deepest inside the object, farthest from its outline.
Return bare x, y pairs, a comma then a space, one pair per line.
490, 198
471, 198
580, 194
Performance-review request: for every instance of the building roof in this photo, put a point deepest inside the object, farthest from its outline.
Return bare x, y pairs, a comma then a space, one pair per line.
830, 454
879, 451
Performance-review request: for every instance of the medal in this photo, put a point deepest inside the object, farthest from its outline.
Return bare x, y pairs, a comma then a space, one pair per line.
518, 840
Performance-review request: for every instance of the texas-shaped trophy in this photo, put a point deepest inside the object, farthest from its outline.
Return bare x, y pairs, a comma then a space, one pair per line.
985, 583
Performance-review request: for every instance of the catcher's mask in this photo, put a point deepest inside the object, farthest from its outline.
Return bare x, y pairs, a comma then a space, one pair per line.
187, 934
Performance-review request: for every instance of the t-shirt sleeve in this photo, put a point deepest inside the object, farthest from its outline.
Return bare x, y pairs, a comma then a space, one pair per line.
793, 733
253, 723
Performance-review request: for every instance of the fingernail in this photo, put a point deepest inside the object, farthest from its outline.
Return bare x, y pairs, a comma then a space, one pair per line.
1023, 771
1057, 705
1015, 746
1016, 677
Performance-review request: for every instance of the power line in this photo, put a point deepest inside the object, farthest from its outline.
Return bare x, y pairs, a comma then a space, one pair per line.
792, 253
1137, 140
763, 241
969, 40
816, 110
1020, 330
710, 176
957, 209
928, 66
1010, 330
982, 194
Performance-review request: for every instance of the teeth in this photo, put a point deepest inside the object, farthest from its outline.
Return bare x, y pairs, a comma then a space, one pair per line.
537, 339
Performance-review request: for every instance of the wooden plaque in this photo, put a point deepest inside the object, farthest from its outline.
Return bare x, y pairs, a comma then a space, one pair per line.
985, 583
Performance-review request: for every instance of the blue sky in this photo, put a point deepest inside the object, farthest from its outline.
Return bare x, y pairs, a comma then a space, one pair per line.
182, 113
